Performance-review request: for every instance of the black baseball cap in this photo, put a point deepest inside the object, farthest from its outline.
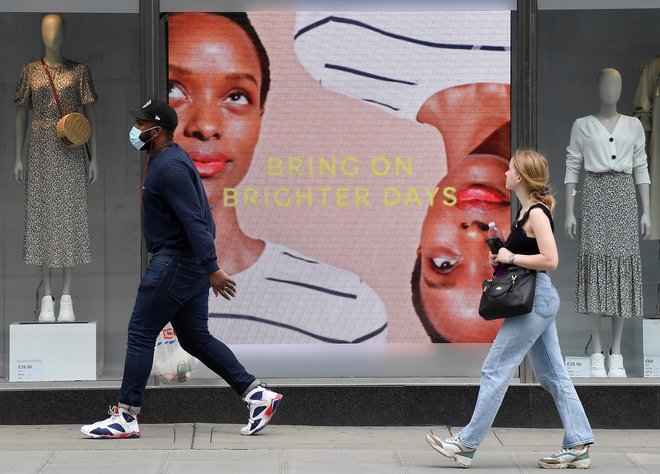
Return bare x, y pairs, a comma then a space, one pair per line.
157, 111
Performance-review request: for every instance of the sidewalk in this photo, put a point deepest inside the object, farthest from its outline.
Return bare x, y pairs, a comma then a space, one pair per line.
206, 448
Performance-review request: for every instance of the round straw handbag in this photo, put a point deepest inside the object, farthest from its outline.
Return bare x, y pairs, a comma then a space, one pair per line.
73, 129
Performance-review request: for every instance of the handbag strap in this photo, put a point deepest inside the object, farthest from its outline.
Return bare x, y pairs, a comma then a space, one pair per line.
52, 86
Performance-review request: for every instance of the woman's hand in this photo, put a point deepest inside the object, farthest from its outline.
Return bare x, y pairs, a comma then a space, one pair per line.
503, 255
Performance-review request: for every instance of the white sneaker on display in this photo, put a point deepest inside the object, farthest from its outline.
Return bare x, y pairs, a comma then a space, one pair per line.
615, 363
66, 310
598, 365
47, 313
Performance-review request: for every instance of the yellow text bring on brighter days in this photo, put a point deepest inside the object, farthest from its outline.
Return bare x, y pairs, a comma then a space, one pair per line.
344, 196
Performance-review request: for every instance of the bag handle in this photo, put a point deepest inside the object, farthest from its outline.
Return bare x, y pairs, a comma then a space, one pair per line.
52, 86
57, 101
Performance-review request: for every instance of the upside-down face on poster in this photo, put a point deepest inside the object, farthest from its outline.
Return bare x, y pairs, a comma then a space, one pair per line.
353, 161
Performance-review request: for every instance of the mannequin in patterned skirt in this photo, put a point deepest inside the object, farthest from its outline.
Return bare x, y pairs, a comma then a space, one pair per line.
608, 279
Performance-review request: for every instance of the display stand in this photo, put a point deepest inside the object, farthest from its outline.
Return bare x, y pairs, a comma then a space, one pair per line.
651, 346
40, 352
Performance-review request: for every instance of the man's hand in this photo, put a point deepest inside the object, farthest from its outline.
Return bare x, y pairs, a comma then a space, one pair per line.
222, 284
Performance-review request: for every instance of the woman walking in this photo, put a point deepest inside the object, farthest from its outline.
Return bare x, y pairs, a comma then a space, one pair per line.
531, 245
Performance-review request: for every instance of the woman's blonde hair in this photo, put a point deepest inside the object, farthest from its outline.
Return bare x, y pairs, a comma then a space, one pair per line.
532, 167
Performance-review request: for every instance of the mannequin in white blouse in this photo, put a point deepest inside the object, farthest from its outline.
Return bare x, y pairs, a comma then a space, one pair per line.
609, 92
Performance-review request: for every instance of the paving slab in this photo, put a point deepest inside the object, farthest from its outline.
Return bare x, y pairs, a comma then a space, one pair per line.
143, 462
22, 462
281, 449
606, 463
428, 462
221, 461
341, 461
313, 437
69, 437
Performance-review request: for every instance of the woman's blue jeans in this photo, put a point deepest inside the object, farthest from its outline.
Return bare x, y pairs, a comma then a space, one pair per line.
534, 334
174, 289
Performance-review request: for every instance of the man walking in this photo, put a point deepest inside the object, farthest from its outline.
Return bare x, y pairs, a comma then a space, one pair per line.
179, 232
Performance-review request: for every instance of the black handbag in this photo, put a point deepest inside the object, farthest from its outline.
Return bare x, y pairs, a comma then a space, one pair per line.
511, 294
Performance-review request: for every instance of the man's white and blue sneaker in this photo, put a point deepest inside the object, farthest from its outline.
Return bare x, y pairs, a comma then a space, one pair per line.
567, 458
453, 448
262, 404
121, 424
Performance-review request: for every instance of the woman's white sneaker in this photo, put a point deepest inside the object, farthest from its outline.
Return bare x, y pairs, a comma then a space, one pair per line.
453, 448
567, 458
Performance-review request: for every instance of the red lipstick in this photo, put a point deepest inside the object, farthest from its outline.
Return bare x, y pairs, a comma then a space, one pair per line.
477, 197
209, 164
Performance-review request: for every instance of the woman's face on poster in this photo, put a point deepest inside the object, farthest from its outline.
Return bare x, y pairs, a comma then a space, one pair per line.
214, 85
453, 252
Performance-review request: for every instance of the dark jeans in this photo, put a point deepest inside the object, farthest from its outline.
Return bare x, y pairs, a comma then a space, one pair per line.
174, 289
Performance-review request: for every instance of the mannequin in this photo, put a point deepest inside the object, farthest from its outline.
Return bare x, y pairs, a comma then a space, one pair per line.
612, 148
45, 150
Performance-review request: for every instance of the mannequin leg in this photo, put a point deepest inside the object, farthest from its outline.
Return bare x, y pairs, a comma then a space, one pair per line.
47, 275
615, 359
617, 333
66, 273
595, 333
597, 357
47, 312
66, 303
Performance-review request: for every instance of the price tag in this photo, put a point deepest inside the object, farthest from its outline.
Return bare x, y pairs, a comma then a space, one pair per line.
651, 366
28, 370
578, 366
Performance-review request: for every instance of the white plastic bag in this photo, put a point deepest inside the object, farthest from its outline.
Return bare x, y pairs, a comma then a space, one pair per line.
171, 363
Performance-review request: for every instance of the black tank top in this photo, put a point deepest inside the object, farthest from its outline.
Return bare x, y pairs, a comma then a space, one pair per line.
518, 242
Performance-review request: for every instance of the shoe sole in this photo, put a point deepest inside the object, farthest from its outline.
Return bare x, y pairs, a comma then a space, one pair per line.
581, 465
268, 415
132, 435
445, 453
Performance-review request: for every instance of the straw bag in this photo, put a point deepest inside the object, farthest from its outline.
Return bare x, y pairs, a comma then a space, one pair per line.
72, 129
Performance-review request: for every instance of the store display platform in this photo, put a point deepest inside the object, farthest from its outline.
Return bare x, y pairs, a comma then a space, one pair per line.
42, 352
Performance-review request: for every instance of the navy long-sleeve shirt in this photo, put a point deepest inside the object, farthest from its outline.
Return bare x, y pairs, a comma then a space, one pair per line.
176, 216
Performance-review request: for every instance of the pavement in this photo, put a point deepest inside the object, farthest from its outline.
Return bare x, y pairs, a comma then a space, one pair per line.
197, 448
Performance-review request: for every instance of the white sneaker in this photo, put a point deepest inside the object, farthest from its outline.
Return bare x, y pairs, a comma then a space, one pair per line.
615, 363
121, 424
452, 448
262, 403
66, 310
567, 458
598, 365
47, 313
